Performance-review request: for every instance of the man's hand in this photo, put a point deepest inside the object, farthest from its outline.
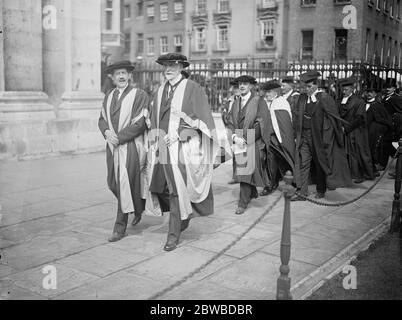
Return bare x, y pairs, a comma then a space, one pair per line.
169, 141
111, 137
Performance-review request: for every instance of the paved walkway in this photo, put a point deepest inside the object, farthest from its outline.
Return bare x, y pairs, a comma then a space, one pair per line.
59, 212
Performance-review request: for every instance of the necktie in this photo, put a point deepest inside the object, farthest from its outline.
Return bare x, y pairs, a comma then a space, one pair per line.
115, 99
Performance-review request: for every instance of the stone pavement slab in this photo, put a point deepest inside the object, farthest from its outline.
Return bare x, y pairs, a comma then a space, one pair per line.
60, 212
67, 279
101, 261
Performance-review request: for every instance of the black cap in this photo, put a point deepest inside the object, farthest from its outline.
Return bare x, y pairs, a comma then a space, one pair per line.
309, 76
270, 85
246, 79
288, 79
173, 57
390, 83
124, 64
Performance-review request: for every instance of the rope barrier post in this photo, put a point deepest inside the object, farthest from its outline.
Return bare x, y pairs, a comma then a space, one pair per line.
396, 204
283, 284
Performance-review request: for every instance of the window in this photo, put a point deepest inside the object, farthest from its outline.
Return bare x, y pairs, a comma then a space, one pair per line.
150, 13
366, 48
127, 11
127, 42
178, 43
140, 43
223, 5
164, 45
389, 51
140, 8
382, 48
164, 12
307, 44
200, 39
307, 3
200, 6
391, 9
375, 46
109, 14
378, 5
151, 46
341, 2
341, 43
385, 7
395, 59
398, 9
223, 37
268, 32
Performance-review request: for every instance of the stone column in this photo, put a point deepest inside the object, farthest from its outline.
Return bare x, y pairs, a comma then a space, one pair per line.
21, 84
82, 97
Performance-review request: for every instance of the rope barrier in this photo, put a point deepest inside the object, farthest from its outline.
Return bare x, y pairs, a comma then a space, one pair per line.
216, 256
342, 204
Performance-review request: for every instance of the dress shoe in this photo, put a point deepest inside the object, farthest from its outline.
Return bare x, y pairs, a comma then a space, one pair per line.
184, 224
380, 168
136, 220
391, 175
170, 246
268, 191
377, 174
358, 181
115, 237
240, 211
319, 195
297, 198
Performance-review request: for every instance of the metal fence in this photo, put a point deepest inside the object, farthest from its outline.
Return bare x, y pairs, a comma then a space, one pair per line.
215, 77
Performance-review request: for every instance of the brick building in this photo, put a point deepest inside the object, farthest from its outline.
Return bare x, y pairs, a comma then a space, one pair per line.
316, 30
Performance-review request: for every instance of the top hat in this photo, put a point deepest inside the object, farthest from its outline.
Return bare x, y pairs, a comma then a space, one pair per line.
246, 79
270, 85
173, 57
390, 83
124, 64
309, 76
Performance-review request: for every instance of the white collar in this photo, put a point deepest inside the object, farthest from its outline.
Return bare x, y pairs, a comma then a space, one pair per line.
175, 80
346, 99
121, 90
371, 100
313, 97
245, 98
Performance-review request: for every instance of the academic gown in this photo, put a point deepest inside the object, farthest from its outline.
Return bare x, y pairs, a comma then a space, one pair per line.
126, 162
356, 138
327, 140
251, 164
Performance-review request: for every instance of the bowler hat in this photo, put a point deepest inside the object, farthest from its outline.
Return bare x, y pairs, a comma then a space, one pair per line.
246, 79
309, 76
124, 64
288, 79
390, 83
270, 85
173, 57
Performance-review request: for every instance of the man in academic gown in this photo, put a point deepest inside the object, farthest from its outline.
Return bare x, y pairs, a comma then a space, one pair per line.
246, 123
353, 110
183, 149
280, 152
379, 123
234, 86
319, 141
122, 123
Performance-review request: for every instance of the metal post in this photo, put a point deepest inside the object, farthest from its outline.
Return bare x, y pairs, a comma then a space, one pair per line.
283, 284
396, 204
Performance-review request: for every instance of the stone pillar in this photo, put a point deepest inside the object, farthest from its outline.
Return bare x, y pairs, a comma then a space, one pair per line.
21, 84
82, 97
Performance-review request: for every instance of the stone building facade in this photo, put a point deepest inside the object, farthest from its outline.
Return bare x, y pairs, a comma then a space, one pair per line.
49, 77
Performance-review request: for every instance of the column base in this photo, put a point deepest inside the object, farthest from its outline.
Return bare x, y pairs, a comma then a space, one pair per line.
80, 104
25, 105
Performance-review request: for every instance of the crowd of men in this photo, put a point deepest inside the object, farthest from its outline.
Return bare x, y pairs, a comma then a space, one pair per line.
300, 126
162, 149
